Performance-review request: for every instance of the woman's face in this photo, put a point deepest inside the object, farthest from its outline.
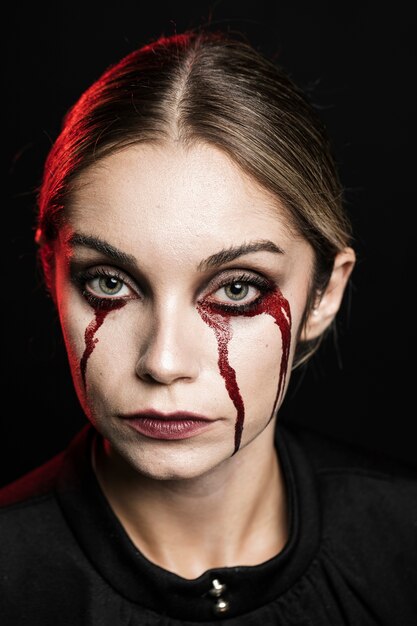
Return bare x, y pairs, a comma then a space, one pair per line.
180, 290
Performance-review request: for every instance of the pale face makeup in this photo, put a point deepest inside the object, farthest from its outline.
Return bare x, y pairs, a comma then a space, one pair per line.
180, 289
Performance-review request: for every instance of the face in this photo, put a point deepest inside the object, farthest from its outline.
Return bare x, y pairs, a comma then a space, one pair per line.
180, 290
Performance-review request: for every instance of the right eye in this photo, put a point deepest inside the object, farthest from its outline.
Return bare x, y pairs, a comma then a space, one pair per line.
104, 286
107, 286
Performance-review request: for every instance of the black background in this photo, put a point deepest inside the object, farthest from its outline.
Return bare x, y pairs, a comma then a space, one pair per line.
357, 61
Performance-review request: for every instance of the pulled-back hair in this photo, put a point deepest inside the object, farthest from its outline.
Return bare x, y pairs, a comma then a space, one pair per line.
215, 88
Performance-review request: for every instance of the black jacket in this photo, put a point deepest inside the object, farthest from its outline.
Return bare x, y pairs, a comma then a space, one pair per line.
351, 557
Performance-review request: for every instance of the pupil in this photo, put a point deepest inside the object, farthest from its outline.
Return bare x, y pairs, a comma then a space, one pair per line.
236, 288
111, 283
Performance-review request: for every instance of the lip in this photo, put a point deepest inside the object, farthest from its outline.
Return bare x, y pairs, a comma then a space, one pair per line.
168, 426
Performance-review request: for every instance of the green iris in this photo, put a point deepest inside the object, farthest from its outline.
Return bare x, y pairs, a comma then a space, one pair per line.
236, 291
110, 285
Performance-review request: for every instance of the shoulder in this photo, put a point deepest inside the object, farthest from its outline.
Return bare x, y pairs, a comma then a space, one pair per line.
41, 483
42, 566
326, 453
32, 530
28, 506
29, 513
368, 510
34, 534
357, 480
330, 456
366, 504
34, 486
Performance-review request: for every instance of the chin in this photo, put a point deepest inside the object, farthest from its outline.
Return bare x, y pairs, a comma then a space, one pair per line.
166, 460
170, 469
172, 472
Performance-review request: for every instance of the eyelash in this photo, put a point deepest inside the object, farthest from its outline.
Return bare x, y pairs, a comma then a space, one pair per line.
81, 278
256, 280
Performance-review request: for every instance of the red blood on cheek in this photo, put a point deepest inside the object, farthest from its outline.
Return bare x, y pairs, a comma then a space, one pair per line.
222, 329
275, 305
218, 319
89, 336
272, 303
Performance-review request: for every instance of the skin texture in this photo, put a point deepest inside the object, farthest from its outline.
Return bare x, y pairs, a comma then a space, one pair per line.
170, 208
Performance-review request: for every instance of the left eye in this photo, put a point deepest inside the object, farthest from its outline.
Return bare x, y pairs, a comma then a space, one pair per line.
107, 286
237, 291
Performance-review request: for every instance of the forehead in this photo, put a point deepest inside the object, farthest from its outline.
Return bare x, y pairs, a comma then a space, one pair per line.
175, 198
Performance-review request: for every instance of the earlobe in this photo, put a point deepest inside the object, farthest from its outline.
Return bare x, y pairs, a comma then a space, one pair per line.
326, 308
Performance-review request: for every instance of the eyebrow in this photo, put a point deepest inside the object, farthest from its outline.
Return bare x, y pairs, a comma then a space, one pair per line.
87, 241
230, 254
215, 260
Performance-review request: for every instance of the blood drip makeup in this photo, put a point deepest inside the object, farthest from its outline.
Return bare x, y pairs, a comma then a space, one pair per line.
215, 316
90, 340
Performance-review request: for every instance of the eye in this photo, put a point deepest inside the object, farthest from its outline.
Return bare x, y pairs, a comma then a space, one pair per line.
106, 285
239, 291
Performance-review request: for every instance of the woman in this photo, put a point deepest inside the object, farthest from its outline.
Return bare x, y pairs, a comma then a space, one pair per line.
193, 238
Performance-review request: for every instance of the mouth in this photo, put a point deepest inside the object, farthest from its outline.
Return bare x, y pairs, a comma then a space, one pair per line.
168, 426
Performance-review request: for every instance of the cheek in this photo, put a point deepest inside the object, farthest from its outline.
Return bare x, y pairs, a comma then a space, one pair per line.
101, 361
73, 316
92, 340
255, 354
74, 321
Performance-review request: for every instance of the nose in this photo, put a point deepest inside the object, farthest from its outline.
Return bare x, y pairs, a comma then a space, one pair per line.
168, 354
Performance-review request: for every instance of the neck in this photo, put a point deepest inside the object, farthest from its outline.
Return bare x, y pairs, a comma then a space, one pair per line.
230, 516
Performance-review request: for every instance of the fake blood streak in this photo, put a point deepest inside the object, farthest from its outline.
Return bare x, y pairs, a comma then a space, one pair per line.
273, 304
89, 335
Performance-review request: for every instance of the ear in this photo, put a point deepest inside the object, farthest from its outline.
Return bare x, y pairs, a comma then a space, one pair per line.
327, 306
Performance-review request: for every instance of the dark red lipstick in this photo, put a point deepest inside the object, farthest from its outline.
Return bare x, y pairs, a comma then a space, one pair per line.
169, 426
